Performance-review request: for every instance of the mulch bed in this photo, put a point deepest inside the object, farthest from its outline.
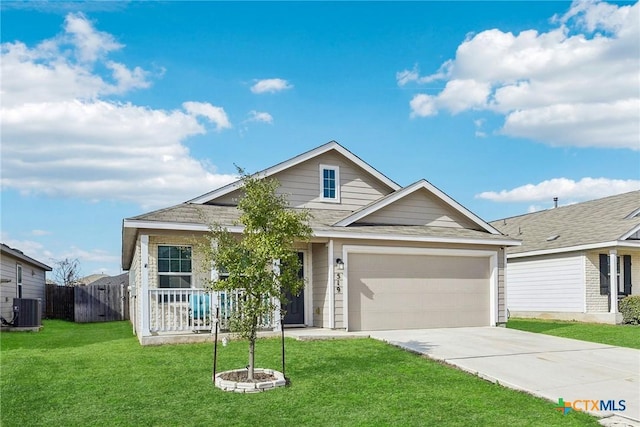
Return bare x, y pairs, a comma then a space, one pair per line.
241, 376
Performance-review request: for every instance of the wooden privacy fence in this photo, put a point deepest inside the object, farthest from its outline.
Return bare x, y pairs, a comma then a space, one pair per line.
90, 303
59, 302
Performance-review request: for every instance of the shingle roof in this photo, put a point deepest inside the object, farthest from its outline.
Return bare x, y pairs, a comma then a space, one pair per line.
21, 256
321, 220
593, 222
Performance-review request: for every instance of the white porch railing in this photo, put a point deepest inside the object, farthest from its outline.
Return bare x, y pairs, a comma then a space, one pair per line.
194, 310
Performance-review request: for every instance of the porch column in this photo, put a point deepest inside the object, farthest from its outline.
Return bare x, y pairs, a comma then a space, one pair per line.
332, 289
613, 280
144, 283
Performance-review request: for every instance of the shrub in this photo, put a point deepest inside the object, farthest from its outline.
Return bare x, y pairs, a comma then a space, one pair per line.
630, 309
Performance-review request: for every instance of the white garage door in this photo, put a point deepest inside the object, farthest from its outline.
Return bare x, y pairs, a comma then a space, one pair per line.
390, 291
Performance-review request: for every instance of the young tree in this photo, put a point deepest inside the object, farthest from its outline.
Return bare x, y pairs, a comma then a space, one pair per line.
263, 262
67, 272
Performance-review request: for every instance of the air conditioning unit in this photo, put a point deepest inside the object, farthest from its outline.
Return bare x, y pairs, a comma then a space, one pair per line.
27, 312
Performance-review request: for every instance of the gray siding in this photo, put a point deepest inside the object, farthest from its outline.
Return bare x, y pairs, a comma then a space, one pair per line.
320, 289
419, 208
301, 183
33, 284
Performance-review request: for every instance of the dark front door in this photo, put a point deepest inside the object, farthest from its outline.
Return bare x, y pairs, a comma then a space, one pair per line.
294, 309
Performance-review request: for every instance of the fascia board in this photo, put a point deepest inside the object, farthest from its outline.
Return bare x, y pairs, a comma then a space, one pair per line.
424, 239
629, 233
633, 214
178, 226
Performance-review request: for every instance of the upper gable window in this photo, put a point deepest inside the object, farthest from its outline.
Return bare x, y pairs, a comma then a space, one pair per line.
330, 183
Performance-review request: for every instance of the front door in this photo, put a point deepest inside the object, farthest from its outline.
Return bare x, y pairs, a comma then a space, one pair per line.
294, 310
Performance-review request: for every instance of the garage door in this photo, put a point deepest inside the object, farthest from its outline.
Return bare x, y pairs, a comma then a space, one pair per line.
390, 291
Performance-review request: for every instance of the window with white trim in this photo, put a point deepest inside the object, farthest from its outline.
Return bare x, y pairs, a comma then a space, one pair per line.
174, 266
330, 183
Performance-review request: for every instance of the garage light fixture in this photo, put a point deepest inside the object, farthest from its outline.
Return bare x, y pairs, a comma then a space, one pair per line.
339, 264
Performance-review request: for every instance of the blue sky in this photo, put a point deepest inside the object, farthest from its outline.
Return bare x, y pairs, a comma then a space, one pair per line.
113, 109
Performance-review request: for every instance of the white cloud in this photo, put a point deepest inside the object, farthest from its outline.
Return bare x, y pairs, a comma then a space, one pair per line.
30, 248
40, 232
574, 85
260, 116
215, 114
90, 44
423, 105
270, 86
563, 188
87, 256
62, 137
407, 76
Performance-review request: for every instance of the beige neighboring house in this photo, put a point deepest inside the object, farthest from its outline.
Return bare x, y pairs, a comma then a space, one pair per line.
21, 277
382, 256
569, 254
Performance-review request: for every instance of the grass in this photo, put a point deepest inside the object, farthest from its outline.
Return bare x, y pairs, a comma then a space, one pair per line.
97, 374
619, 335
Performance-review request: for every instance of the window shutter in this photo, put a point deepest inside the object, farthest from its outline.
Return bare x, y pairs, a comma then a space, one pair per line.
604, 274
626, 268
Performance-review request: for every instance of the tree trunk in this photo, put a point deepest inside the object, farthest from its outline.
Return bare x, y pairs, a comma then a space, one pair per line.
252, 348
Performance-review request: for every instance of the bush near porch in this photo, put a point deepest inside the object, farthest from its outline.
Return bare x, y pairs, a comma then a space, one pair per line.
630, 309
620, 335
97, 374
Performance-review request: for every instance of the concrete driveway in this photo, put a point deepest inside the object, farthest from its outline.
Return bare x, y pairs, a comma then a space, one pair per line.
542, 365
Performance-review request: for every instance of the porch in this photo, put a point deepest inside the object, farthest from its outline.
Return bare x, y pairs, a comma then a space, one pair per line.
175, 312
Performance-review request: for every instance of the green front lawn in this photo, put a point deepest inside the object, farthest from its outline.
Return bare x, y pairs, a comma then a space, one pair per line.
97, 374
620, 335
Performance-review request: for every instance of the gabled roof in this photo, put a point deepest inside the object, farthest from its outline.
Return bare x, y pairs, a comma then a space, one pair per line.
195, 215
404, 192
610, 221
7, 250
332, 145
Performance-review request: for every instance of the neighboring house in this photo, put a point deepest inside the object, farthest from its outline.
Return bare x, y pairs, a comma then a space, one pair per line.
21, 277
381, 257
569, 254
121, 279
90, 279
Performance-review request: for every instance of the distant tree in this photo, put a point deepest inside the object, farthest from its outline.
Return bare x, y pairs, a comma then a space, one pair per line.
66, 272
263, 263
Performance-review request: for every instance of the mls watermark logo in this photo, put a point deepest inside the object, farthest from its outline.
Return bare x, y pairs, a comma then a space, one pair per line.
590, 405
